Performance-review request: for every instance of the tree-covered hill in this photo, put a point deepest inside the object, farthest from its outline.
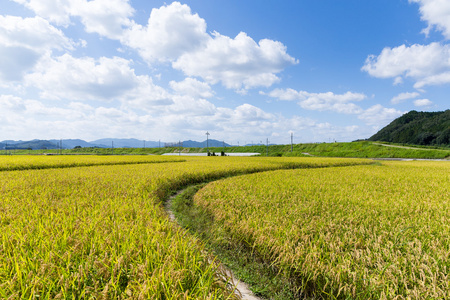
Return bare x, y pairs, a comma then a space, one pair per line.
418, 128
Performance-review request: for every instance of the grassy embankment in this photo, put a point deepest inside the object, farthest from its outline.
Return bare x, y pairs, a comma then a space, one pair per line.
362, 149
362, 232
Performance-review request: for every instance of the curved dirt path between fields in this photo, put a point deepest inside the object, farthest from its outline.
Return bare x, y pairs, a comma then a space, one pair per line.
242, 288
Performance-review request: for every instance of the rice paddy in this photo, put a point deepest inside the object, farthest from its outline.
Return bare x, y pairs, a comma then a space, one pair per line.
95, 228
360, 232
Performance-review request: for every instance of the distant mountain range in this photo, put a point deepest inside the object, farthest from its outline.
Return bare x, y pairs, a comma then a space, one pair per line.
103, 143
417, 128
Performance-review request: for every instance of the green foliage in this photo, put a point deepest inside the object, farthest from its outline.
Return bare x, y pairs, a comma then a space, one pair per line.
360, 149
419, 128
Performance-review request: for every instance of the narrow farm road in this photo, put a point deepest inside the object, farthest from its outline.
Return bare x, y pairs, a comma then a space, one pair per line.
403, 147
242, 288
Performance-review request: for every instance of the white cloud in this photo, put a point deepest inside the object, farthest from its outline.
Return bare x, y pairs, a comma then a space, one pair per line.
56, 11
426, 64
249, 113
414, 61
20, 60
192, 87
437, 79
189, 106
20, 112
28, 119
105, 79
398, 80
105, 17
341, 103
329, 101
403, 96
67, 77
237, 63
287, 94
185, 118
422, 102
23, 41
175, 34
171, 31
11, 103
379, 116
146, 95
32, 33
103, 96
437, 14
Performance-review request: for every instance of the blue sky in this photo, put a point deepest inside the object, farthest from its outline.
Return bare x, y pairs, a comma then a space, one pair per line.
244, 71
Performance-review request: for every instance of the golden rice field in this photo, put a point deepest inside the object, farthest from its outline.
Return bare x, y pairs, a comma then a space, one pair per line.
361, 232
90, 227
27, 162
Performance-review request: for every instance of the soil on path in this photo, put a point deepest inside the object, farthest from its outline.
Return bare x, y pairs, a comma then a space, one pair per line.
242, 288
403, 147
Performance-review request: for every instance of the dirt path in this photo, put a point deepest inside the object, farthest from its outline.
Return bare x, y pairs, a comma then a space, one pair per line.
404, 147
242, 288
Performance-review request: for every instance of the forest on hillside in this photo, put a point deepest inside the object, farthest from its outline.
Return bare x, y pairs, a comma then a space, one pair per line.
418, 128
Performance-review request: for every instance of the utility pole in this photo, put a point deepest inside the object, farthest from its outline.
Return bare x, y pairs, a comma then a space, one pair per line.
292, 141
144, 144
207, 143
267, 147
112, 147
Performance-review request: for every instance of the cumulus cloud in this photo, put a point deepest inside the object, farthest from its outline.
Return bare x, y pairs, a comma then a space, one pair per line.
32, 33
249, 113
103, 96
172, 30
189, 106
379, 116
192, 87
67, 77
422, 102
20, 60
404, 96
426, 64
27, 114
106, 17
341, 103
438, 79
28, 118
23, 41
104, 79
237, 63
56, 11
186, 117
11, 103
437, 14
175, 34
